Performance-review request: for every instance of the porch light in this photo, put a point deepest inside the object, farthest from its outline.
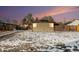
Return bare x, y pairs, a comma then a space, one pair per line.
34, 25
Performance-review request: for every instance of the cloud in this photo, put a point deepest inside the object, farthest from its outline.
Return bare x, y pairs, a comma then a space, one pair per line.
57, 11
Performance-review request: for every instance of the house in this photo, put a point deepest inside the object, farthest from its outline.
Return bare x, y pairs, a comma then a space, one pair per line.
43, 25
72, 25
5, 25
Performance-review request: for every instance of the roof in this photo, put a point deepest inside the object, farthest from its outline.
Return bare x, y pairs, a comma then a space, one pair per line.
44, 21
75, 22
5, 21
41, 21
68, 22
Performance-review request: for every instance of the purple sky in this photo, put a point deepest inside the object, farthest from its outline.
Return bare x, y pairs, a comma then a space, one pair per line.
58, 13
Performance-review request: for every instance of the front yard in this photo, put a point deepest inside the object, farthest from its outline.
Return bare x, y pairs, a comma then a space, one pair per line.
41, 41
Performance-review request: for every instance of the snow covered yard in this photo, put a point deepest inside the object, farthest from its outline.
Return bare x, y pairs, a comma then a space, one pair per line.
41, 41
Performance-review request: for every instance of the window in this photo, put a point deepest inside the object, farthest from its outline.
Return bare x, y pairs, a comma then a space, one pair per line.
51, 25
34, 25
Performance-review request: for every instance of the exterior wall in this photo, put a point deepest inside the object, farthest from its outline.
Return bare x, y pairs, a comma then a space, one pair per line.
78, 28
73, 28
59, 28
66, 28
6, 27
70, 28
43, 27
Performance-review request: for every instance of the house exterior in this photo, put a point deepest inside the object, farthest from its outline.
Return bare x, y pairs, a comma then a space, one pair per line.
6, 26
43, 25
72, 26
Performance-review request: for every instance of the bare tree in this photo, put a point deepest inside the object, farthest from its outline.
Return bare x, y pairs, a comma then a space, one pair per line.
28, 19
49, 18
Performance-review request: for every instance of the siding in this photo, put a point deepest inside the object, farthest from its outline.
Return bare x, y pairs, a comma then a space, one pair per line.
43, 27
59, 28
78, 28
6, 27
70, 28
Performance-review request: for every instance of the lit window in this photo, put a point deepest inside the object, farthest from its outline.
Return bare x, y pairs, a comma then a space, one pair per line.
34, 25
51, 25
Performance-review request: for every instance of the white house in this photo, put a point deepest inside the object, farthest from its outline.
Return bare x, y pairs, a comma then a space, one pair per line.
73, 25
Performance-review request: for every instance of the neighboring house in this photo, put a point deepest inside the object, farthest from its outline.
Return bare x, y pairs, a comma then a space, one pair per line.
5, 25
72, 25
43, 25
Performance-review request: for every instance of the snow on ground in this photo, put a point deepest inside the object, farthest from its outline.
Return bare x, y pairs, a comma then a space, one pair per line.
38, 41
6, 33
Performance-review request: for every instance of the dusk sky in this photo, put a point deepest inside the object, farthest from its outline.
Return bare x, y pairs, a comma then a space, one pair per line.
58, 13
